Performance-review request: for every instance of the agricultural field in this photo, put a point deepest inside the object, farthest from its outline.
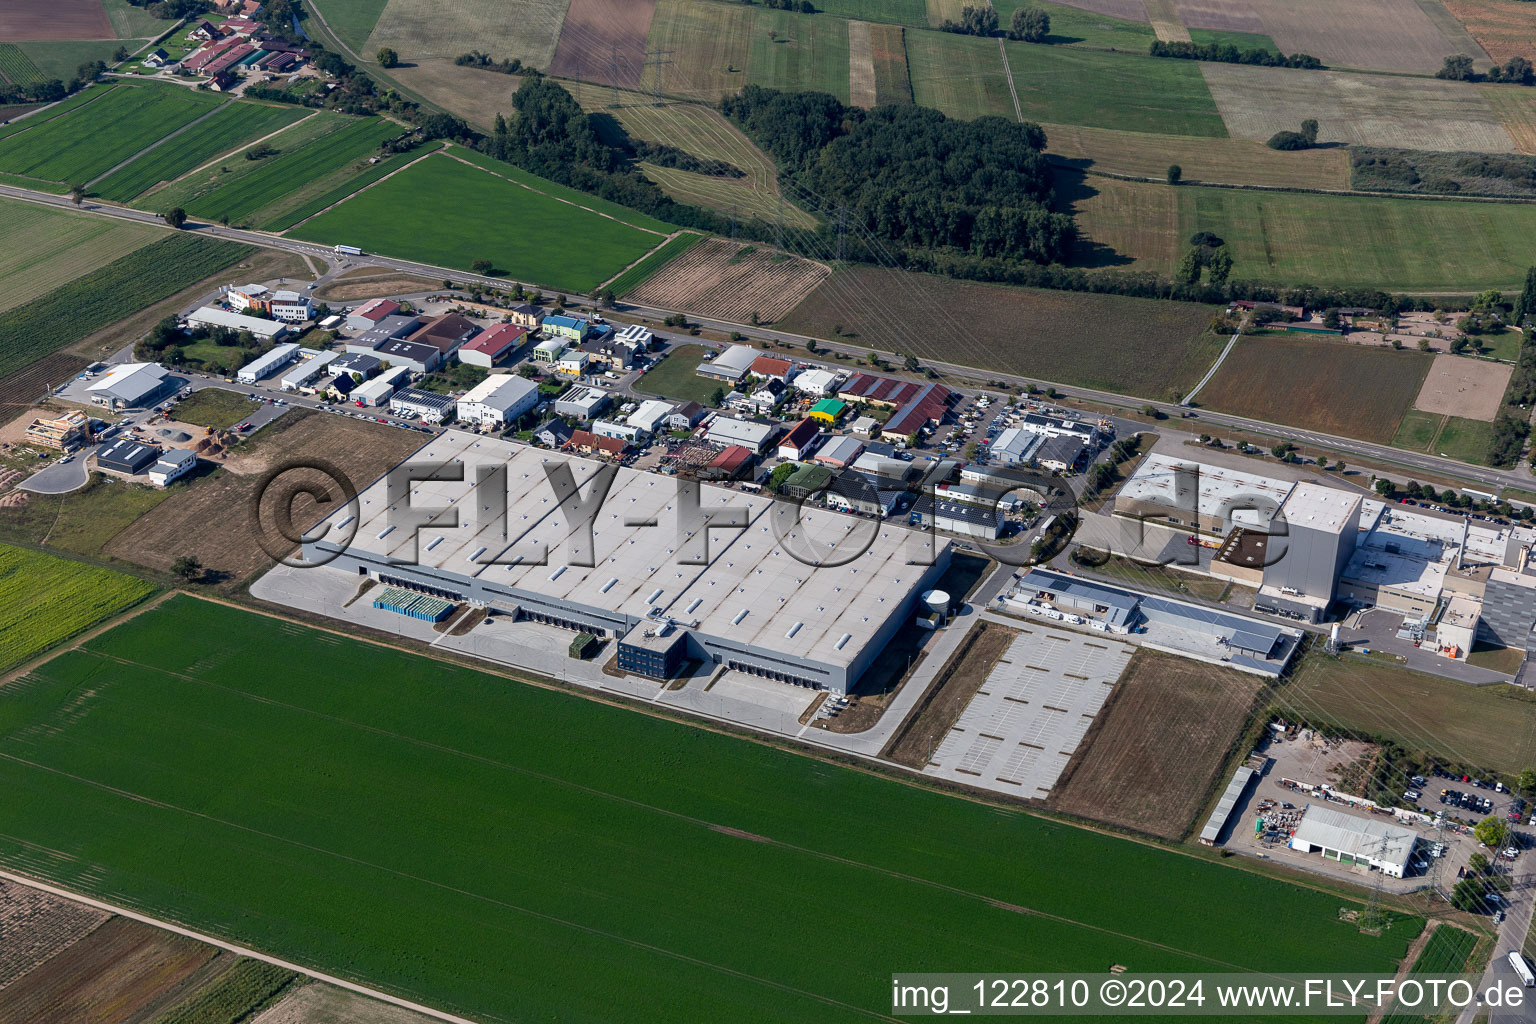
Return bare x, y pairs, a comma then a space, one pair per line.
276, 182
1394, 244
94, 138
732, 282
1349, 390
1369, 110
232, 551
1149, 758
315, 1003
899, 12
130, 22
1378, 35
39, 925
861, 65
228, 128
1503, 29
642, 271
42, 247
1143, 347
889, 51
1472, 725
1418, 430
308, 857
19, 391
16, 67
1121, 224
233, 995
524, 29
61, 59
604, 41
1073, 26
1461, 386
116, 974
981, 90
328, 190
1465, 439
465, 222
1517, 114
80, 521
718, 48
1241, 40
1222, 161
799, 52
90, 94
45, 599
563, 193
102, 297
22, 20
675, 377
351, 21
192, 188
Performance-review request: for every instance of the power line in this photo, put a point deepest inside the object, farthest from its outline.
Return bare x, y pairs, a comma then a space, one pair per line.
657, 59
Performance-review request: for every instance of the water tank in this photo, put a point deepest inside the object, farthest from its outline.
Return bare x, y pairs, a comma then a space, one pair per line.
937, 600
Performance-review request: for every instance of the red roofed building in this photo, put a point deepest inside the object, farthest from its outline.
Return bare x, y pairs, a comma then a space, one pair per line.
731, 464
771, 367
208, 54
368, 315
493, 346
228, 59
588, 443
887, 391
928, 406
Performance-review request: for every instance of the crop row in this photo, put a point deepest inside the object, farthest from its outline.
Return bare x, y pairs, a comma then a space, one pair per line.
640, 272
16, 66
228, 128
103, 297
90, 94
44, 599
95, 138
282, 174
232, 996
352, 184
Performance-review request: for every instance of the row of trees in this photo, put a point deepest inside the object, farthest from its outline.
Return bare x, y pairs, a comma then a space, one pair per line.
483, 61
1227, 53
170, 10
1459, 68
1304, 139
53, 89
1029, 24
911, 176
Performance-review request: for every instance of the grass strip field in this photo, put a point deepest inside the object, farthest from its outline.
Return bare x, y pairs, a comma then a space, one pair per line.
959, 75
43, 247
564, 193
130, 22
1073, 26
675, 376
45, 599
290, 839
892, 82
1465, 724
1465, 439
226, 129
36, 184
1446, 952
799, 52
90, 140
61, 59
470, 216
105, 296
89, 94
1225, 161
351, 20
193, 187
1351, 390
657, 258
333, 188
1144, 347
1417, 430
899, 12
16, 67
241, 199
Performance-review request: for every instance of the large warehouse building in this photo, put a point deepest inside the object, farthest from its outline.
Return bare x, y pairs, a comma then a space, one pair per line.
759, 605
1351, 840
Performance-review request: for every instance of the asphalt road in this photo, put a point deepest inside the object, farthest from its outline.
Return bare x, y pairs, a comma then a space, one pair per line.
1520, 477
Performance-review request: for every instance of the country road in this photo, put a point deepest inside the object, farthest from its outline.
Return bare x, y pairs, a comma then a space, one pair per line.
1204, 421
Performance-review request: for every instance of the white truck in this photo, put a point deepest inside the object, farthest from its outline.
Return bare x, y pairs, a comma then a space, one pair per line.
348, 250
1523, 969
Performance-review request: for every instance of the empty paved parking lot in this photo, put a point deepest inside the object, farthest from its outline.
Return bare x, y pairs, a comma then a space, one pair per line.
1018, 732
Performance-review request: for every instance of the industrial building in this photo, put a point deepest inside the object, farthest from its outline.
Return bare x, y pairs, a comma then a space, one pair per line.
291, 307
379, 390
498, 401
626, 432
752, 435
370, 314
776, 595
818, 381
358, 364
416, 358
127, 456
212, 316
1015, 446
390, 328
172, 465
1350, 840
131, 386
581, 402
309, 370
800, 441
264, 366
1059, 426
571, 328
839, 452
731, 365
1320, 526
445, 333
960, 517
650, 415
424, 405
493, 346
1205, 498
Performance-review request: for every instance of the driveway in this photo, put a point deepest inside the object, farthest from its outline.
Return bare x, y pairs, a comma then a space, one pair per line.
60, 479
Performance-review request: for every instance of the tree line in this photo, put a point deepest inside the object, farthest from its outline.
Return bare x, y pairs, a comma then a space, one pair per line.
53, 89
912, 177
1227, 53
1028, 24
1514, 71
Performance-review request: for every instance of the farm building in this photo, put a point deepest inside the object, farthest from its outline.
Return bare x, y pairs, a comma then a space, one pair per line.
751, 607
130, 386
499, 400
172, 465
1351, 840
493, 346
211, 316
752, 435
127, 456
650, 416
581, 402
818, 381
68, 431
307, 371
291, 307
426, 405
839, 452
730, 365
378, 391
417, 358
801, 439
445, 333
370, 314
264, 366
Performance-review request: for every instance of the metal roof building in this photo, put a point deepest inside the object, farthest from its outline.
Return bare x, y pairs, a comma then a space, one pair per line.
759, 603
731, 365
264, 366
209, 316
128, 385
1230, 798
125, 455
753, 435
1351, 840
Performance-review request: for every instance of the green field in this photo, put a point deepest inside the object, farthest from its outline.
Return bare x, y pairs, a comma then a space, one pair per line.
352, 20
445, 212
43, 247
657, 258
1417, 430
900, 12
799, 52
214, 407
62, 59
97, 137
330, 190
1446, 952
192, 188
229, 127
17, 67
45, 599
563, 859
130, 22
675, 377
89, 94
1241, 40
272, 182
1072, 26
555, 190
105, 296
1465, 440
